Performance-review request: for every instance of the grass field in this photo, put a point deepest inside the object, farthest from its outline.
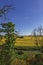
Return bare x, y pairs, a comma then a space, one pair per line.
27, 54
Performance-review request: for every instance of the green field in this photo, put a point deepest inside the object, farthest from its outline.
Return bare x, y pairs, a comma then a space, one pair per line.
26, 54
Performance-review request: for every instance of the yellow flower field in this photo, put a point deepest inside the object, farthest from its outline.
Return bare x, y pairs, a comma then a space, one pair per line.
25, 41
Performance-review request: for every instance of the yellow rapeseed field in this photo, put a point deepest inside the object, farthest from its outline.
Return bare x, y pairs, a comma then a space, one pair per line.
25, 41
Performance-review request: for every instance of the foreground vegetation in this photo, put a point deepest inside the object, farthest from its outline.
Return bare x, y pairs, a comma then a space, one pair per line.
20, 50
32, 60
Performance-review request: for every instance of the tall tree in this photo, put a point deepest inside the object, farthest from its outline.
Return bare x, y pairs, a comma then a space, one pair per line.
7, 53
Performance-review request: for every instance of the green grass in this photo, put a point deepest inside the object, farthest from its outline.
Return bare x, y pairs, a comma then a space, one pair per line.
26, 54
26, 48
28, 51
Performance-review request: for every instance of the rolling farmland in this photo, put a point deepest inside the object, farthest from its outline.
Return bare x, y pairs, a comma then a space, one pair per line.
23, 41
27, 46
27, 41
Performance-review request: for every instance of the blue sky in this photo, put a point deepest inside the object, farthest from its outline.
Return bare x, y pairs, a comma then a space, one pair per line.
28, 14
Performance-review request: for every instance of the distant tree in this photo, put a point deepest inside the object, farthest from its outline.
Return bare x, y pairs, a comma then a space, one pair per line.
38, 35
7, 53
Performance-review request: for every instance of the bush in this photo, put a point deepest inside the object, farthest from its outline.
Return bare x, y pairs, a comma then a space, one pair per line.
20, 37
36, 60
20, 52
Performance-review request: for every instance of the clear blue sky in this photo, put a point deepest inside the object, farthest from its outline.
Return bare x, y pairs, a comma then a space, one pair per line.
28, 14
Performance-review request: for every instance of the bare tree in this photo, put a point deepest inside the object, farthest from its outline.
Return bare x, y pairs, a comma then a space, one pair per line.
5, 9
38, 36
